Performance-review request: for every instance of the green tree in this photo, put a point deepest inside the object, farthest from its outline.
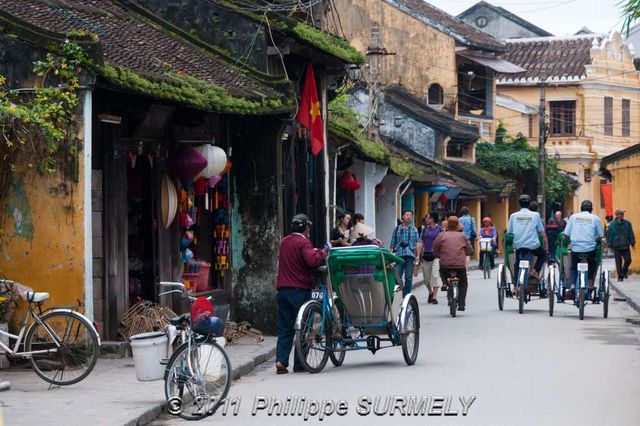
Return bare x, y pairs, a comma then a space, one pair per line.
515, 158
630, 12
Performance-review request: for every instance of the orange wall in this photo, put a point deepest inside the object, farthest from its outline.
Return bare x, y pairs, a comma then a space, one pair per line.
44, 248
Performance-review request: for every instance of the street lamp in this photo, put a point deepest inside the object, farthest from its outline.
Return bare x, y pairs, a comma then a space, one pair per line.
397, 120
354, 72
556, 156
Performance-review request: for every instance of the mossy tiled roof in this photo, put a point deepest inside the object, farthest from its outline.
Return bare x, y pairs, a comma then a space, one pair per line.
145, 54
491, 181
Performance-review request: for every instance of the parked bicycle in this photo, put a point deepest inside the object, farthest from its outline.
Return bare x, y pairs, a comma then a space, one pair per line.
198, 374
61, 343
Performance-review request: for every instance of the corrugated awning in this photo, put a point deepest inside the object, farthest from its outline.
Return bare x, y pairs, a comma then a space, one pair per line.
495, 63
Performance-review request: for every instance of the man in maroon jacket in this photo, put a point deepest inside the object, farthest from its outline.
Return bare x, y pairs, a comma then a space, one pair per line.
453, 247
297, 258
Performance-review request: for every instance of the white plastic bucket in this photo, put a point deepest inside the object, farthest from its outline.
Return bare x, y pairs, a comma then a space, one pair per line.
148, 350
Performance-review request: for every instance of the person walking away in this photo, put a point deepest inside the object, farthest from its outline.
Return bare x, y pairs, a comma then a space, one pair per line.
340, 234
620, 237
526, 227
294, 283
488, 231
404, 242
469, 229
452, 247
583, 229
430, 262
560, 221
553, 230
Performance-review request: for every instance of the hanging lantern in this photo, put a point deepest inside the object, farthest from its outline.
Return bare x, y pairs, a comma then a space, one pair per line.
168, 201
226, 168
213, 181
216, 160
349, 182
200, 187
186, 163
380, 190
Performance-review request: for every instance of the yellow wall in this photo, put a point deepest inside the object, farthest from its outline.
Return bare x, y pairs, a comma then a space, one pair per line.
626, 175
499, 213
45, 251
422, 56
421, 207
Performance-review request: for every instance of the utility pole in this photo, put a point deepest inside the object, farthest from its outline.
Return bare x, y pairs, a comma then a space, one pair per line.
542, 157
375, 51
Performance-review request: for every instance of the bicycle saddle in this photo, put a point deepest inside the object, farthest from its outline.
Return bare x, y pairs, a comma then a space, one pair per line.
36, 297
180, 319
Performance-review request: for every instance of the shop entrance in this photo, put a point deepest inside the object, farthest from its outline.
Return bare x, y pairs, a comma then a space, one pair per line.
141, 236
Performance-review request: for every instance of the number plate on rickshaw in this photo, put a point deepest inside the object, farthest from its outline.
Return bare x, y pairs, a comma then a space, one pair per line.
316, 295
524, 263
583, 267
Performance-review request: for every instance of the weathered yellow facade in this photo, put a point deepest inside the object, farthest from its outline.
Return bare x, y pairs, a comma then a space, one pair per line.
610, 74
42, 238
421, 55
625, 174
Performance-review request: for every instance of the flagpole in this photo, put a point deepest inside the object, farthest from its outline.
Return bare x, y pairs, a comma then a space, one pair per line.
325, 157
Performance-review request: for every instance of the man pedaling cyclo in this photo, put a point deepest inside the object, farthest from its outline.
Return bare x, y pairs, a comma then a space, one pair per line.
584, 230
527, 229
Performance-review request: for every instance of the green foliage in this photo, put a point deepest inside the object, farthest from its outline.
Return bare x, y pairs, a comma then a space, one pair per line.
37, 128
630, 12
328, 42
516, 159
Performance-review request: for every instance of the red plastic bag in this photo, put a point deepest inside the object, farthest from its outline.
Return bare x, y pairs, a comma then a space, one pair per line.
201, 310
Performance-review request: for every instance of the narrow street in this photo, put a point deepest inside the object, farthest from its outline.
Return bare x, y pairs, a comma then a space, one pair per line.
525, 369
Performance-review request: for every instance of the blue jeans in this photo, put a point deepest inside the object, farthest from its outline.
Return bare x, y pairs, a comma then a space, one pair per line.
407, 270
289, 302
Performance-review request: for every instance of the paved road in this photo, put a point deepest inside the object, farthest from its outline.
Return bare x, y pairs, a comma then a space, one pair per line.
527, 369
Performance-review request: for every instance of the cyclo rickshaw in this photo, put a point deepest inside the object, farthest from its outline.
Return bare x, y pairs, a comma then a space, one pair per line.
583, 296
361, 309
527, 286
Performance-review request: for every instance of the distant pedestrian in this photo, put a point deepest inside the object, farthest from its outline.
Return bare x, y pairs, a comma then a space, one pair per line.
294, 282
468, 229
404, 243
620, 237
430, 262
340, 234
560, 221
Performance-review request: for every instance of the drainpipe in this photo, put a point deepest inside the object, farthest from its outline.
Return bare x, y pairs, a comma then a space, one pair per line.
399, 195
88, 234
335, 179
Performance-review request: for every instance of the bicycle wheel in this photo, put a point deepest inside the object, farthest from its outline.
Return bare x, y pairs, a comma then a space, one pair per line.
522, 290
311, 339
486, 267
581, 298
502, 286
410, 338
67, 346
197, 379
337, 345
604, 286
551, 289
453, 302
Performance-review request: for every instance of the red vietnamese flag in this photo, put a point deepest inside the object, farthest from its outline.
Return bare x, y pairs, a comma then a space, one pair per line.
309, 112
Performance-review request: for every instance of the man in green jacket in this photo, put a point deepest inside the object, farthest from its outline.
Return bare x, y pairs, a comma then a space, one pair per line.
620, 237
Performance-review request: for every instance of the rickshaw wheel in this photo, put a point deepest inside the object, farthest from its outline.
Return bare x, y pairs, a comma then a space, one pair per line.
336, 357
522, 297
605, 294
581, 303
411, 341
551, 289
311, 340
502, 284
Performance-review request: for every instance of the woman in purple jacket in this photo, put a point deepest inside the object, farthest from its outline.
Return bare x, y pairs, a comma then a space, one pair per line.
430, 262
488, 231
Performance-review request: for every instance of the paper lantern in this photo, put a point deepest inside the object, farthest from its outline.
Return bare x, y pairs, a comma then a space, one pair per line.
226, 168
186, 163
216, 160
214, 180
349, 182
380, 190
200, 187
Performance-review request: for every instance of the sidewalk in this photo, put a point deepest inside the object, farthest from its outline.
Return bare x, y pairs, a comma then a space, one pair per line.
628, 289
110, 395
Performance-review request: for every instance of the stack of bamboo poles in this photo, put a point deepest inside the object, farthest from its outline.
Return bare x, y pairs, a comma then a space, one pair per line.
241, 332
144, 317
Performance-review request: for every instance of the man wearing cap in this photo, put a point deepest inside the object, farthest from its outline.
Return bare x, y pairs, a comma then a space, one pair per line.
296, 260
619, 237
583, 229
453, 247
526, 227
